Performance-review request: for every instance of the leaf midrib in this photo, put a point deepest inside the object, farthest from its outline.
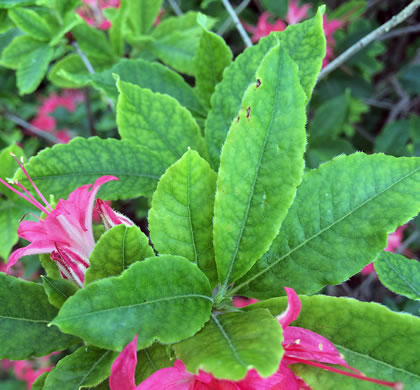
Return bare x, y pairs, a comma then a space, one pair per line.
268, 267
23, 319
257, 170
134, 305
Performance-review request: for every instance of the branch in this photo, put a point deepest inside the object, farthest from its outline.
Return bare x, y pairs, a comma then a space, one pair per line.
83, 57
375, 34
174, 5
401, 31
30, 128
238, 24
226, 24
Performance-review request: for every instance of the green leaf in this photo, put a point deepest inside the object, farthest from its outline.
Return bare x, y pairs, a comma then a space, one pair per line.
31, 23
116, 250
180, 220
338, 223
231, 344
157, 122
139, 16
211, 58
176, 40
154, 76
305, 43
70, 64
58, 290
276, 7
14, 54
115, 16
24, 316
329, 119
50, 266
150, 360
64, 7
380, 343
148, 299
15, 3
93, 43
399, 274
410, 79
32, 69
61, 169
267, 137
88, 366
326, 151
39, 382
393, 138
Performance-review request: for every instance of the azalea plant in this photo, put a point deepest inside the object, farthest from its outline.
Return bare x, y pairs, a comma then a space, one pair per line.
223, 288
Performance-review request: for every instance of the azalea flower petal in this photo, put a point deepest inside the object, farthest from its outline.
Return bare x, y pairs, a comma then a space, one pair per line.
171, 378
293, 308
34, 248
124, 367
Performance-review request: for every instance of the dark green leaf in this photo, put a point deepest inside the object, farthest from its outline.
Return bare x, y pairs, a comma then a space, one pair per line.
399, 274
61, 169
58, 290
24, 317
393, 138
150, 360
88, 366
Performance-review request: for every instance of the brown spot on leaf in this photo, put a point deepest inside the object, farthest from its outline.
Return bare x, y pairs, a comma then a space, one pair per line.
248, 112
237, 119
258, 83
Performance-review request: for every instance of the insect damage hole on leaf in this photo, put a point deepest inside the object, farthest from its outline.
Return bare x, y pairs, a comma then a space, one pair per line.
248, 112
258, 83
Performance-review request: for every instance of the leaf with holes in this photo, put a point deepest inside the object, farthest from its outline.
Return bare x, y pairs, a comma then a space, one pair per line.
338, 223
24, 316
116, 250
380, 343
267, 136
233, 343
88, 366
180, 220
305, 43
148, 299
157, 122
399, 274
62, 168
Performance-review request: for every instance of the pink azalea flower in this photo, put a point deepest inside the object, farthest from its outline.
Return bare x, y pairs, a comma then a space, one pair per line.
295, 14
66, 232
394, 242
91, 12
43, 121
300, 346
110, 217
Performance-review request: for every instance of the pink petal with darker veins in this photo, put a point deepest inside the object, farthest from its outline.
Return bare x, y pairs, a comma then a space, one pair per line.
124, 367
35, 248
295, 13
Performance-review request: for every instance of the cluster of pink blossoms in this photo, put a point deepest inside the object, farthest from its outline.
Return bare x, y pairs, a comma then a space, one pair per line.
44, 121
300, 346
295, 14
91, 12
28, 370
66, 233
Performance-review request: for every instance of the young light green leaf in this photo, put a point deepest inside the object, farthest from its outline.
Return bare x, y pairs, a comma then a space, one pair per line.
24, 315
176, 39
72, 65
32, 69
231, 344
39, 382
305, 43
150, 360
139, 16
61, 169
31, 23
116, 250
378, 342
88, 366
180, 220
116, 38
93, 43
338, 223
58, 290
210, 60
148, 299
151, 75
267, 137
399, 274
157, 122
14, 54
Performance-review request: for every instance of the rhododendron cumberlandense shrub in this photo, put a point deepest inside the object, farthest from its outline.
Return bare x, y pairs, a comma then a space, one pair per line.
223, 291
